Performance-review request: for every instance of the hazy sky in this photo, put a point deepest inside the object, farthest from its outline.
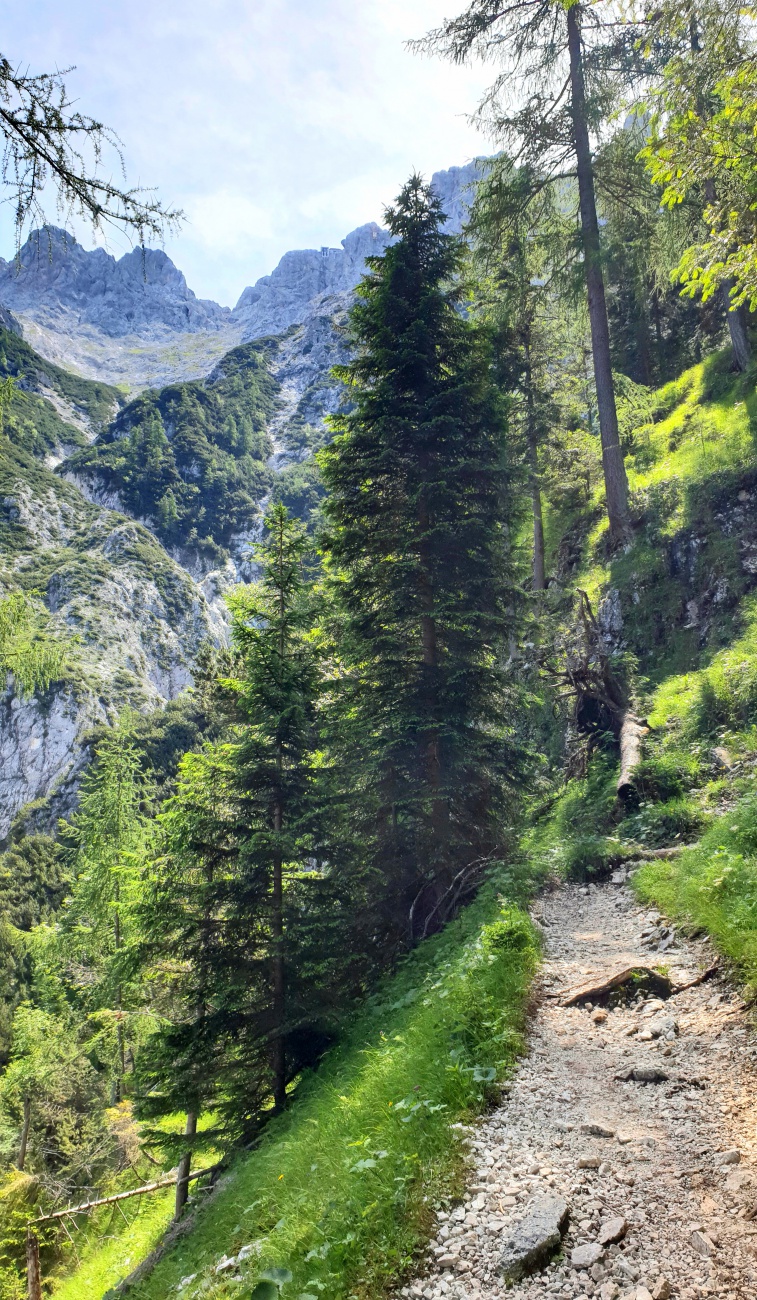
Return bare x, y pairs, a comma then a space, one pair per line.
274, 124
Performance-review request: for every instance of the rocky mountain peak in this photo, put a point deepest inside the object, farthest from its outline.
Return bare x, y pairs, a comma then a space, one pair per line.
62, 286
304, 281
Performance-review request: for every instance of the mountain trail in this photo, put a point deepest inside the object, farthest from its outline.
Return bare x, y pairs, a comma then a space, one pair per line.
658, 1177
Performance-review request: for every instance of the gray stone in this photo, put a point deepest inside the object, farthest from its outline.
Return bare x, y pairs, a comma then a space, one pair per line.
664, 1027
643, 1074
535, 1239
611, 1231
702, 1243
732, 1157
584, 1256
624, 1270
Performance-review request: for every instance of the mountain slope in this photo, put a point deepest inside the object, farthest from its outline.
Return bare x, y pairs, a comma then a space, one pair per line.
138, 617
149, 515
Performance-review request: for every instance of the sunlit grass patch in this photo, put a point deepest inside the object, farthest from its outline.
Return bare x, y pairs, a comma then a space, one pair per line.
714, 886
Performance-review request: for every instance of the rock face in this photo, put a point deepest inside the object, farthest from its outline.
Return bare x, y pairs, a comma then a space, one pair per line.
304, 280
59, 283
138, 617
306, 283
134, 321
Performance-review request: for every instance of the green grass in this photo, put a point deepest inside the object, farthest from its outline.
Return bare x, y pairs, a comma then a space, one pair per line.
340, 1191
108, 1245
686, 467
115, 1245
714, 886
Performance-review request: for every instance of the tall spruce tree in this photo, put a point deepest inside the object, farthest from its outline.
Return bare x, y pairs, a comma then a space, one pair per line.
228, 924
416, 543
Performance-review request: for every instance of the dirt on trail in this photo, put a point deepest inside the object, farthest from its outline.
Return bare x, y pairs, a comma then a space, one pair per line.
659, 1178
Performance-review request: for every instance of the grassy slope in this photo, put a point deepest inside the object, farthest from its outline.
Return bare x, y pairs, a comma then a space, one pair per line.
340, 1190
690, 628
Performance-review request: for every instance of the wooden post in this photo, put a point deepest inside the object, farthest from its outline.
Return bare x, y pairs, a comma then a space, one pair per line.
33, 1276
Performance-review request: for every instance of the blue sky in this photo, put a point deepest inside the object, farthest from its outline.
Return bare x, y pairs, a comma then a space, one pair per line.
274, 124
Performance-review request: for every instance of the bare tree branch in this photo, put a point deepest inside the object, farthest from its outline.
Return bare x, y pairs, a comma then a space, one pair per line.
47, 142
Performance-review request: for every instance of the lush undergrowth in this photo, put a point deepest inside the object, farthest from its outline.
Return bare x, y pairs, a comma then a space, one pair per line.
714, 886
340, 1190
123, 1236
112, 1241
707, 738
688, 641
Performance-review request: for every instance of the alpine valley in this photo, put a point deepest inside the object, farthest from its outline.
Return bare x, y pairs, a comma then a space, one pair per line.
147, 431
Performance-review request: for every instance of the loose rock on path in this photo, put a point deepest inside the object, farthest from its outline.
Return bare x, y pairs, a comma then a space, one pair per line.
642, 1118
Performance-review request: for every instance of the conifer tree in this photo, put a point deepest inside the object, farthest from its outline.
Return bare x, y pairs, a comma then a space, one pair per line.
110, 836
416, 541
241, 843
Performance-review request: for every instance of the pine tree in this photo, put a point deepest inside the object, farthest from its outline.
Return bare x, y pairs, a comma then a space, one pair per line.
417, 548
241, 850
276, 750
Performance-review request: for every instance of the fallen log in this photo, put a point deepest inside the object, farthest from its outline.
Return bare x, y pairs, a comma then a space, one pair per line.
122, 1196
632, 732
601, 986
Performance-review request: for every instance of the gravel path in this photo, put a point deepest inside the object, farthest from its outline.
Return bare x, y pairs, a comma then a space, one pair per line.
672, 1163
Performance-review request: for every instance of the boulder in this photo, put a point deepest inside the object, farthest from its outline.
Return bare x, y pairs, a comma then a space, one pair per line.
531, 1243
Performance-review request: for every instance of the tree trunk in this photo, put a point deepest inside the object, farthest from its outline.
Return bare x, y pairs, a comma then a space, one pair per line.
736, 318
278, 1064
439, 811
33, 1274
119, 1089
632, 732
616, 482
185, 1165
24, 1133
538, 578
